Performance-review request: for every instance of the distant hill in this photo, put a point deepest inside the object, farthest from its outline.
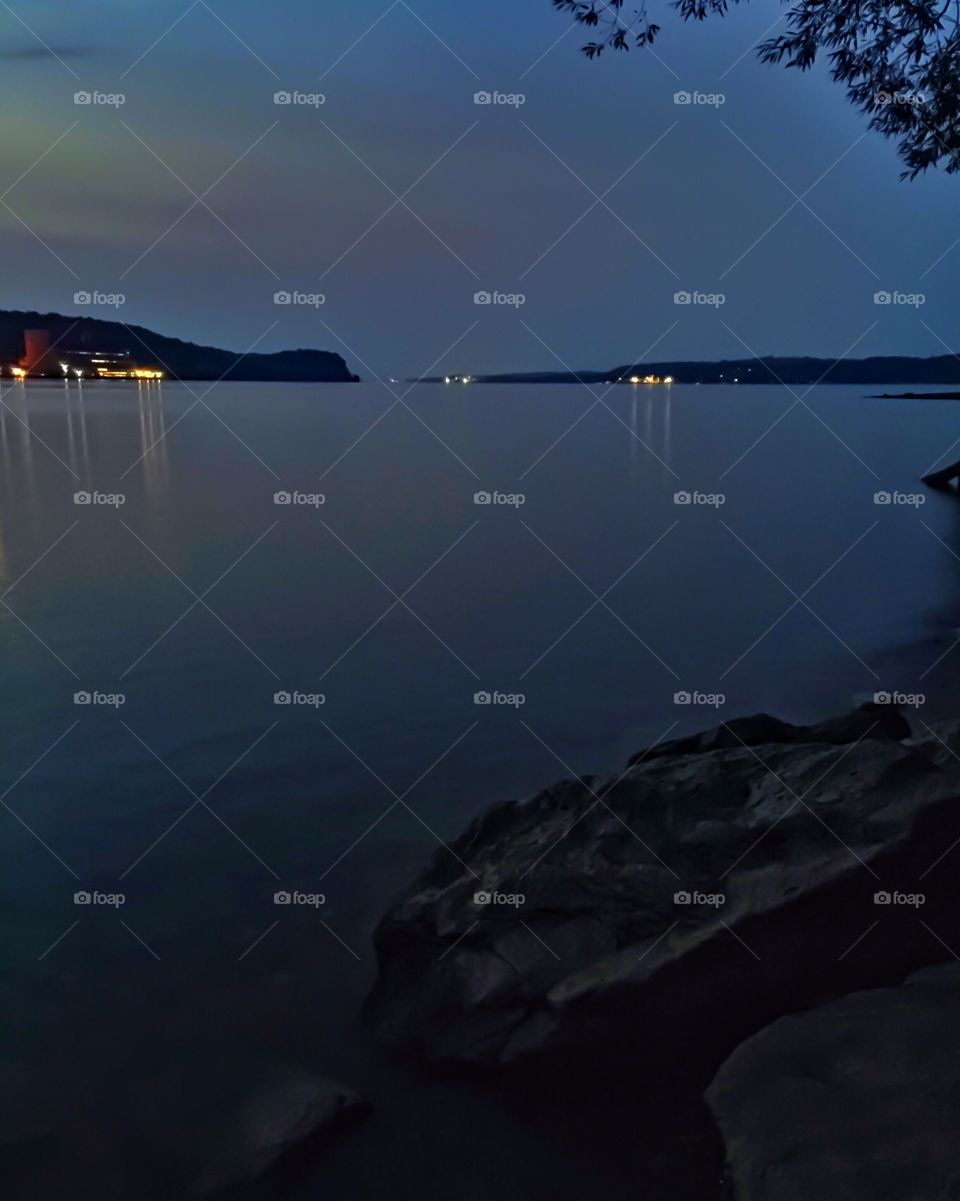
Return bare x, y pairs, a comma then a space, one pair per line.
890, 369
180, 360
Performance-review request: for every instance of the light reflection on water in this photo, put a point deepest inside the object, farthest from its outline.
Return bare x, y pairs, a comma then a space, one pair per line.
303, 598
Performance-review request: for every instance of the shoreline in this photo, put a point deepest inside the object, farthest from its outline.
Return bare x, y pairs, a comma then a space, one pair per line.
913, 396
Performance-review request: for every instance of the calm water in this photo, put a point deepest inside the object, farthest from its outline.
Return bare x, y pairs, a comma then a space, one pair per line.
130, 1042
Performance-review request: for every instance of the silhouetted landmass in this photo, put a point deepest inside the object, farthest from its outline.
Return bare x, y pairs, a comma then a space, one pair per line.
799, 371
179, 359
916, 396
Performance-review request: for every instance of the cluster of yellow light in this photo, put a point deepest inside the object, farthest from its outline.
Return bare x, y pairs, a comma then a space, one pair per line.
147, 373
651, 379
133, 373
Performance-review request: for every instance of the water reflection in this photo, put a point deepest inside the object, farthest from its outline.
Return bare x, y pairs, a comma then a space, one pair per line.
655, 433
153, 430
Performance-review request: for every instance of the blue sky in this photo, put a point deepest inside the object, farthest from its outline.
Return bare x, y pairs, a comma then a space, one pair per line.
504, 203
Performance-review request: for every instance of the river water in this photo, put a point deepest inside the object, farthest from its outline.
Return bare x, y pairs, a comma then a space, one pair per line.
584, 600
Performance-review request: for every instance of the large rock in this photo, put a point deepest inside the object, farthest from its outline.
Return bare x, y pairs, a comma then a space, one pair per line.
858, 1100
668, 914
869, 721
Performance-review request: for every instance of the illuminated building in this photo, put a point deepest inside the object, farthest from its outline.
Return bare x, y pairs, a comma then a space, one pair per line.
39, 360
132, 373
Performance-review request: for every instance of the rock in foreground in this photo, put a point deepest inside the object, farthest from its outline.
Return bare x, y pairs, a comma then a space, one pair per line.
858, 1100
662, 917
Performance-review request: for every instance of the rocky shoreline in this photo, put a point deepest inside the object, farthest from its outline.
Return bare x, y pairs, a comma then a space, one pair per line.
658, 925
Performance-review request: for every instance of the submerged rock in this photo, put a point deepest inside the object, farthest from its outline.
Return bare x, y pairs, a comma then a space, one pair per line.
858, 1100
292, 1115
297, 1111
659, 918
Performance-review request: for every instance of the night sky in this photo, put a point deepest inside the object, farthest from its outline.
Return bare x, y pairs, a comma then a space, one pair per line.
300, 192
